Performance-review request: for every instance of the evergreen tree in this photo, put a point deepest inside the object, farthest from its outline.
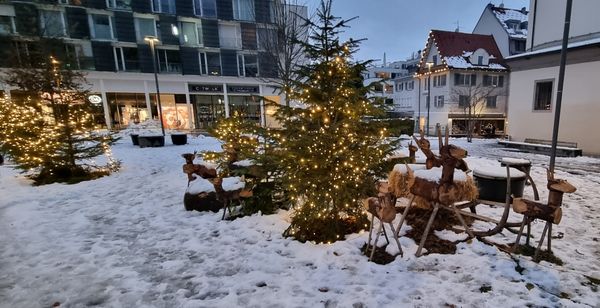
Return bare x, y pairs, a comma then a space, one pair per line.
331, 149
50, 130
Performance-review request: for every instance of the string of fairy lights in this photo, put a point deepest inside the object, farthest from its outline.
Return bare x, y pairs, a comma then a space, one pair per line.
45, 131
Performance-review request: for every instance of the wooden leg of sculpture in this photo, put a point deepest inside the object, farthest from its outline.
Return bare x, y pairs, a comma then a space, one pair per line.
462, 220
517, 242
537, 250
549, 236
528, 232
370, 232
387, 240
396, 238
374, 246
225, 207
436, 207
403, 217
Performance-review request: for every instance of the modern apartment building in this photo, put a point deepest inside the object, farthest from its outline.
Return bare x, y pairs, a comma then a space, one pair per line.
210, 55
534, 76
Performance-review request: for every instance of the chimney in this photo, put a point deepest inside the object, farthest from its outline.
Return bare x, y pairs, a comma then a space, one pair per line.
501, 5
384, 60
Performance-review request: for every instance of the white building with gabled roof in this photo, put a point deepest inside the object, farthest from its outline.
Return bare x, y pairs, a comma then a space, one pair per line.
507, 26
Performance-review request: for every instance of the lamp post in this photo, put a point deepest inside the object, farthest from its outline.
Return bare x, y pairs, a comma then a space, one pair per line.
429, 65
152, 41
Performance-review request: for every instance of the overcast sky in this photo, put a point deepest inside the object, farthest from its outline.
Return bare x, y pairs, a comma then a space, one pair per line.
400, 27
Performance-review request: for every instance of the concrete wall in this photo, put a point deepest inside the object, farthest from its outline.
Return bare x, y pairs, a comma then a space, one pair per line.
488, 24
579, 112
550, 17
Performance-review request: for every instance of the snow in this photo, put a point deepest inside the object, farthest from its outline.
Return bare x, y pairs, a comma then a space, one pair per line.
200, 185
461, 62
495, 172
402, 167
126, 241
538, 145
233, 183
515, 161
506, 15
245, 163
435, 174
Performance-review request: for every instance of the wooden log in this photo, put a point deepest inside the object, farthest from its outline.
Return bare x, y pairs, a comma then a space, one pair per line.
537, 210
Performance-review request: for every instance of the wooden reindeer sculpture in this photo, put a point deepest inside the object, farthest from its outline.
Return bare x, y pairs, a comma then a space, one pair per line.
412, 150
228, 196
190, 168
442, 192
550, 212
383, 208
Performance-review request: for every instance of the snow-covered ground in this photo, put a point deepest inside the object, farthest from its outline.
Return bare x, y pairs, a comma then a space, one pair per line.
126, 241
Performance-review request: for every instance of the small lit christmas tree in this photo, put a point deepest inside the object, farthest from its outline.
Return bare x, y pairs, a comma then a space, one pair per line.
52, 133
331, 149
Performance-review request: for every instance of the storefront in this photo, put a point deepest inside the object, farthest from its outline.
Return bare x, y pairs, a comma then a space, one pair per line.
212, 102
488, 125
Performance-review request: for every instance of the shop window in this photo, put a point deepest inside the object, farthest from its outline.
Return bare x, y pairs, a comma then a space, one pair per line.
119, 4
205, 8
248, 65
543, 95
246, 106
210, 63
102, 27
209, 109
52, 23
189, 33
126, 59
163, 6
243, 10
145, 27
230, 36
490, 101
7, 25
169, 61
127, 108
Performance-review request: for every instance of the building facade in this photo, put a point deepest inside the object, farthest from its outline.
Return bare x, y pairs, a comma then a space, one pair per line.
534, 76
507, 26
462, 78
210, 59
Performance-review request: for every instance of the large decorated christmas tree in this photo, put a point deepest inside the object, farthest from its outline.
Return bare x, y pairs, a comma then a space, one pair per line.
331, 145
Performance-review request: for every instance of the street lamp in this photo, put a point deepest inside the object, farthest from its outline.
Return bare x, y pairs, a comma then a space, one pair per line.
429, 65
152, 41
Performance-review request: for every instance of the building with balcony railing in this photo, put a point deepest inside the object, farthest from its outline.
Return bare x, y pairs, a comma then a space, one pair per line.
209, 59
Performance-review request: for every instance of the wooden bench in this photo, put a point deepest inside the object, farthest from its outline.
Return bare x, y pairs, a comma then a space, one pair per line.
565, 144
563, 149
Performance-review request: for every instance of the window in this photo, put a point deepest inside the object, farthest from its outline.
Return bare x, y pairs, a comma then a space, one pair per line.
230, 36
463, 101
119, 4
205, 8
389, 89
434, 59
7, 25
163, 6
439, 81
52, 23
438, 101
400, 86
243, 10
210, 63
383, 75
479, 60
543, 95
79, 56
410, 85
490, 101
465, 79
126, 59
247, 65
189, 33
169, 61
493, 81
268, 37
102, 27
145, 27
519, 46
